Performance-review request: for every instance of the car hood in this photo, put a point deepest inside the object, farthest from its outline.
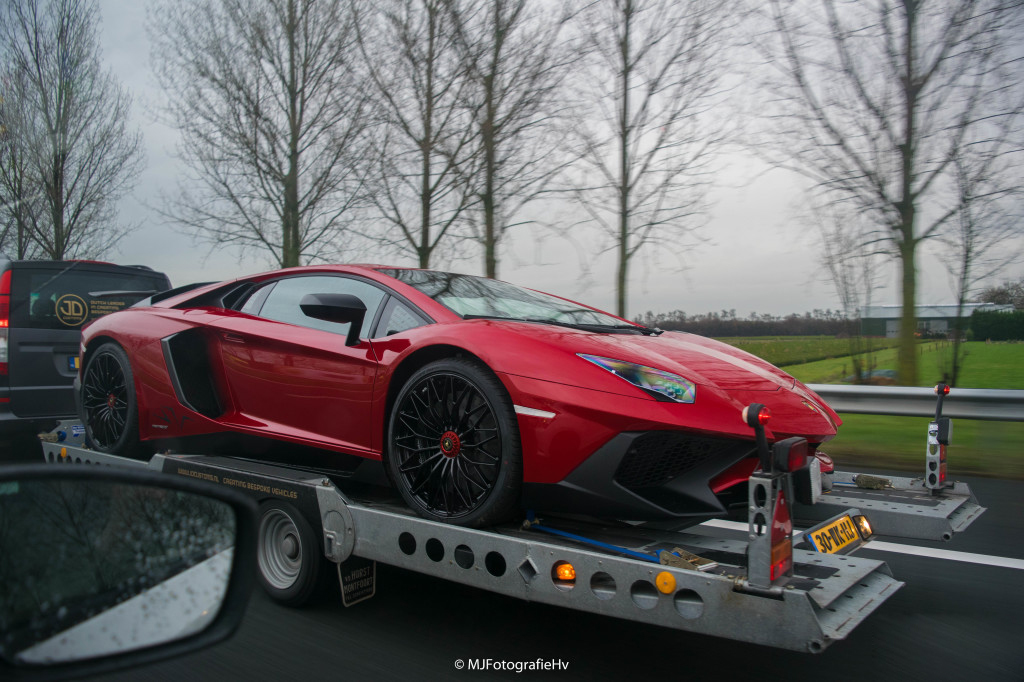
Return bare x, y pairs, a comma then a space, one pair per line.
699, 359
702, 360
720, 371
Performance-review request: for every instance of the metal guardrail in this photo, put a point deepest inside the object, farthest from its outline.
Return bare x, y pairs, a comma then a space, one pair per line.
914, 401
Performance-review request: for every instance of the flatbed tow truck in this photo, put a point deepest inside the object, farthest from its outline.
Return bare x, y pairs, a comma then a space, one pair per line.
773, 586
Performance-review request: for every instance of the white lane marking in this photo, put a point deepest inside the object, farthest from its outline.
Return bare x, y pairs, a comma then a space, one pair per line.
967, 557
531, 412
736, 525
948, 554
729, 525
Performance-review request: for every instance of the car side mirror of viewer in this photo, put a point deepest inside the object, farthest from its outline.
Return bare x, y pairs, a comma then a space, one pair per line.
340, 308
103, 569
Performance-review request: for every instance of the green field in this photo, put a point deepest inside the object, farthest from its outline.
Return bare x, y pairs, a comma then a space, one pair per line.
988, 365
790, 350
979, 447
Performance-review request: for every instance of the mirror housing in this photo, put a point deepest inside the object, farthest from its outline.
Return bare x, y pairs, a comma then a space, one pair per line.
186, 552
339, 308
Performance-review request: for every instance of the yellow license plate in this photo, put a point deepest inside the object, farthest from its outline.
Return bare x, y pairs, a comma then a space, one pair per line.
834, 537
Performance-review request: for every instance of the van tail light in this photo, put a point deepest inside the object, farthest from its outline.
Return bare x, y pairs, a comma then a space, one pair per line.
5, 318
782, 538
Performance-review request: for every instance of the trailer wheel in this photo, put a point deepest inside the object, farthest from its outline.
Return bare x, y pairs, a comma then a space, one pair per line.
109, 407
453, 445
288, 554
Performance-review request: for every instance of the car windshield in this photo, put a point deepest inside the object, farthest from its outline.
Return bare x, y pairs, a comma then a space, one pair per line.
472, 297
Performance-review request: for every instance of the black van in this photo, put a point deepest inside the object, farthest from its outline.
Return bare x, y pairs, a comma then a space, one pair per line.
43, 306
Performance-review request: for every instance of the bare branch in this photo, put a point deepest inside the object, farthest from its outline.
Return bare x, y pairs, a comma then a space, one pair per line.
647, 143
66, 153
270, 101
875, 101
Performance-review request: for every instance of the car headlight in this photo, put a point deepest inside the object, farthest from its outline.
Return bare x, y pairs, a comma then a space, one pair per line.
658, 383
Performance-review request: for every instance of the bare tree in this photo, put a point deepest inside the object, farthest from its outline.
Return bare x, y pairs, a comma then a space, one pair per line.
19, 194
426, 135
985, 236
271, 106
68, 152
647, 144
873, 100
848, 250
1007, 293
516, 58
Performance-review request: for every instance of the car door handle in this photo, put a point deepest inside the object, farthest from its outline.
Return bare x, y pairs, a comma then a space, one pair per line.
232, 338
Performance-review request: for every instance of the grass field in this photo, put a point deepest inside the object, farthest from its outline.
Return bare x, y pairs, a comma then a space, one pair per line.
988, 365
791, 350
979, 447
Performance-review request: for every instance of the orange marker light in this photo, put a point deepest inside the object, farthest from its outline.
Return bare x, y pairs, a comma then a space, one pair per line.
666, 582
565, 571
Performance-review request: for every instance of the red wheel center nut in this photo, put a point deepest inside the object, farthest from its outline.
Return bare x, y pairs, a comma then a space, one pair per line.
111, 401
450, 444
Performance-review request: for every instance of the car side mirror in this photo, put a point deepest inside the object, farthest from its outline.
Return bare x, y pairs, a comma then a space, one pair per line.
105, 569
340, 308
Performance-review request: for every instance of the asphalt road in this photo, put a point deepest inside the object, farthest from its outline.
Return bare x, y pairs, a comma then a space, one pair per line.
952, 621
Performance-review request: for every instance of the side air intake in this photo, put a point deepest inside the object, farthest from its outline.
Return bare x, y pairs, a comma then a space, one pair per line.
188, 363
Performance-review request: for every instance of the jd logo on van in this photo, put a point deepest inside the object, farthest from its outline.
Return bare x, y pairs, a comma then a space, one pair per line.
72, 310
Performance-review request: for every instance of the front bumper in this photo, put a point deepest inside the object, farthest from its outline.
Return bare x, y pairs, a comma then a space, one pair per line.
643, 476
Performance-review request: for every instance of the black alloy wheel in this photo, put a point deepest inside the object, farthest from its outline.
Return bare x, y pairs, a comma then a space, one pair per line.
454, 450
108, 402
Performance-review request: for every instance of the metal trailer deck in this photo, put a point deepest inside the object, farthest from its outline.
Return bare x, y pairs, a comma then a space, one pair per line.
898, 506
823, 600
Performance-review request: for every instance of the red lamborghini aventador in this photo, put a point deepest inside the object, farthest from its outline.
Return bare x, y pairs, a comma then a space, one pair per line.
479, 397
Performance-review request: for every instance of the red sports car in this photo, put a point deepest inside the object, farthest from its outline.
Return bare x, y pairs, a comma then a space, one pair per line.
479, 397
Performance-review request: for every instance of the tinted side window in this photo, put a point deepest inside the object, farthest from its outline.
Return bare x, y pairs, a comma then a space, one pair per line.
67, 298
283, 302
256, 299
397, 317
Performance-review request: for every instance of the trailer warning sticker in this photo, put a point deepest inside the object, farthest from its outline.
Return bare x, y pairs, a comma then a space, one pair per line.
358, 578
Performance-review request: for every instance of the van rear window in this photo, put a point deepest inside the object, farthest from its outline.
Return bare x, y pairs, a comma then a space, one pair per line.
67, 298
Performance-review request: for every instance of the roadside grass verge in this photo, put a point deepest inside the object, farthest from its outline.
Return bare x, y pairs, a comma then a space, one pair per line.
980, 448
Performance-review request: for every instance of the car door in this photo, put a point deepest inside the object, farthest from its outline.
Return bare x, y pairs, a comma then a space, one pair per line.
293, 375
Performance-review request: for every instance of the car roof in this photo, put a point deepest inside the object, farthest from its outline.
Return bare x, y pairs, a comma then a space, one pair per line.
8, 264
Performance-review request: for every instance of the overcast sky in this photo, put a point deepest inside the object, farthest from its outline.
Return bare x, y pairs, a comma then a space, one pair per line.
754, 257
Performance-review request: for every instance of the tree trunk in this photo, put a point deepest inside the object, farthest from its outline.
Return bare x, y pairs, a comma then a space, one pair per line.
490, 233
291, 250
907, 365
427, 145
961, 299
490, 240
624, 131
490, 169
59, 247
423, 250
